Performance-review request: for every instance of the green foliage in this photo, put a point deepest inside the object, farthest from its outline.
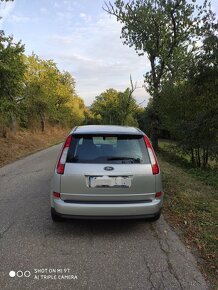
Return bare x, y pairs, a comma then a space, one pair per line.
33, 91
50, 95
12, 70
115, 108
164, 31
159, 29
189, 108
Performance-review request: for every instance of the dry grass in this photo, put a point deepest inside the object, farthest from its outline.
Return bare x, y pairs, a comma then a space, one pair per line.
26, 142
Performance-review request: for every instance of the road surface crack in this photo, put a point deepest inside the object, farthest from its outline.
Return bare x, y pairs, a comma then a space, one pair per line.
5, 230
150, 277
170, 267
150, 274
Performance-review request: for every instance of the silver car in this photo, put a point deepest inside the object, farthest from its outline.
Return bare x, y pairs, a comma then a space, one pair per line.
106, 172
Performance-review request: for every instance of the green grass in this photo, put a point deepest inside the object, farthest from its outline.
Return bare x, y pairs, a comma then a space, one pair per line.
209, 176
191, 206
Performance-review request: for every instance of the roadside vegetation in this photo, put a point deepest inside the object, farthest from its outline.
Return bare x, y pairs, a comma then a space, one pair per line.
34, 93
191, 198
113, 107
26, 142
38, 102
209, 176
180, 40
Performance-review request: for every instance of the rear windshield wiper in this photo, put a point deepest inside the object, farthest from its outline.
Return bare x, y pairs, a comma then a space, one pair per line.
138, 160
74, 159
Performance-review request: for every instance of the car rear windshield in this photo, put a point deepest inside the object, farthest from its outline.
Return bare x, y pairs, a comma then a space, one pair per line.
115, 149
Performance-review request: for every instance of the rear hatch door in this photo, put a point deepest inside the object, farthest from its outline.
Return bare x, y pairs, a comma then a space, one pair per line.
107, 167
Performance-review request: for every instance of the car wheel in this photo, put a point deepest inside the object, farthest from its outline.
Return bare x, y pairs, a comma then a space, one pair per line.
56, 218
155, 217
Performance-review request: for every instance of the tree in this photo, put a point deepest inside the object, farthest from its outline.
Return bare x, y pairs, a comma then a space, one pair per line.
190, 107
40, 76
12, 69
161, 30
49, 95
1, 1
114, 107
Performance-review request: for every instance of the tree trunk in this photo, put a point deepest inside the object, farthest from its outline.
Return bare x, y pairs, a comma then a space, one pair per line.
13, 125
154, 137
155, 119
4, 132
199, 157
192, 157
42, 123
155, 128
205, 158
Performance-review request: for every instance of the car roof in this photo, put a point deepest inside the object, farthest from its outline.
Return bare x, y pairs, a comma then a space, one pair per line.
106, 129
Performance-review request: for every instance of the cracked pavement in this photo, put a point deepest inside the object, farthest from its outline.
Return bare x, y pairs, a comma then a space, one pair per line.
116, 254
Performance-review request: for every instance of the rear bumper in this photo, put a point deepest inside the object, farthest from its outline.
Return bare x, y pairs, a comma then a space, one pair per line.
107, 210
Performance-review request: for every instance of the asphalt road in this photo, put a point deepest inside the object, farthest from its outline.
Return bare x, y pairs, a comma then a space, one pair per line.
81, 254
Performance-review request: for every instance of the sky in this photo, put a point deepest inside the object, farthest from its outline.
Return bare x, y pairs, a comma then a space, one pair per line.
82, 39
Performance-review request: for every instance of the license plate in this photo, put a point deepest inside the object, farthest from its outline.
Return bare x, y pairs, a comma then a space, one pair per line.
108, 181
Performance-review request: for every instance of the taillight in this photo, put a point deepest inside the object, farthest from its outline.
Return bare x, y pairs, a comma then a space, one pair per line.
153, 158
56, 194
158, 194
63, 156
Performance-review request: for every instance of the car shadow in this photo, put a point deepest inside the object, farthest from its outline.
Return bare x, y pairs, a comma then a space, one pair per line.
99, 227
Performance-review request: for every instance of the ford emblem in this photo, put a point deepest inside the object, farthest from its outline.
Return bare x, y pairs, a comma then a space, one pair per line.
108, 168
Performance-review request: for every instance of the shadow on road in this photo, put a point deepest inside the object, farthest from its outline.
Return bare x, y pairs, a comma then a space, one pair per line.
98, 227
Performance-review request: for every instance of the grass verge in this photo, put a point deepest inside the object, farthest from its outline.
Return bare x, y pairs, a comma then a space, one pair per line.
191, 208
209, 175
26, 142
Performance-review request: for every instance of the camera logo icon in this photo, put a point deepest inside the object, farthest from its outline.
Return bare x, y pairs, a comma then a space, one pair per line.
20, 274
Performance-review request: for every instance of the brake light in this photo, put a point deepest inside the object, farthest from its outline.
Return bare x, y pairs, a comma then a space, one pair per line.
158, 194
56, 194
153, 158
63, 156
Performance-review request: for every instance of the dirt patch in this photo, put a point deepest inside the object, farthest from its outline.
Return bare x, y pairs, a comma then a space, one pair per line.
26, 142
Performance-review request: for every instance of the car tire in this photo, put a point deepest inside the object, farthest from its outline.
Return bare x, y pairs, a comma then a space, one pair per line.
155, 217
55, 218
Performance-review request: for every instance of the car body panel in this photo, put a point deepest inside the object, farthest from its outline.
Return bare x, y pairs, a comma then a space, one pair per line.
75, 178
106, 129
108, 209
55, 186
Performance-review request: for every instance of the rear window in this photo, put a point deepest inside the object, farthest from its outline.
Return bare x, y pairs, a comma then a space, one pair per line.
115, 149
